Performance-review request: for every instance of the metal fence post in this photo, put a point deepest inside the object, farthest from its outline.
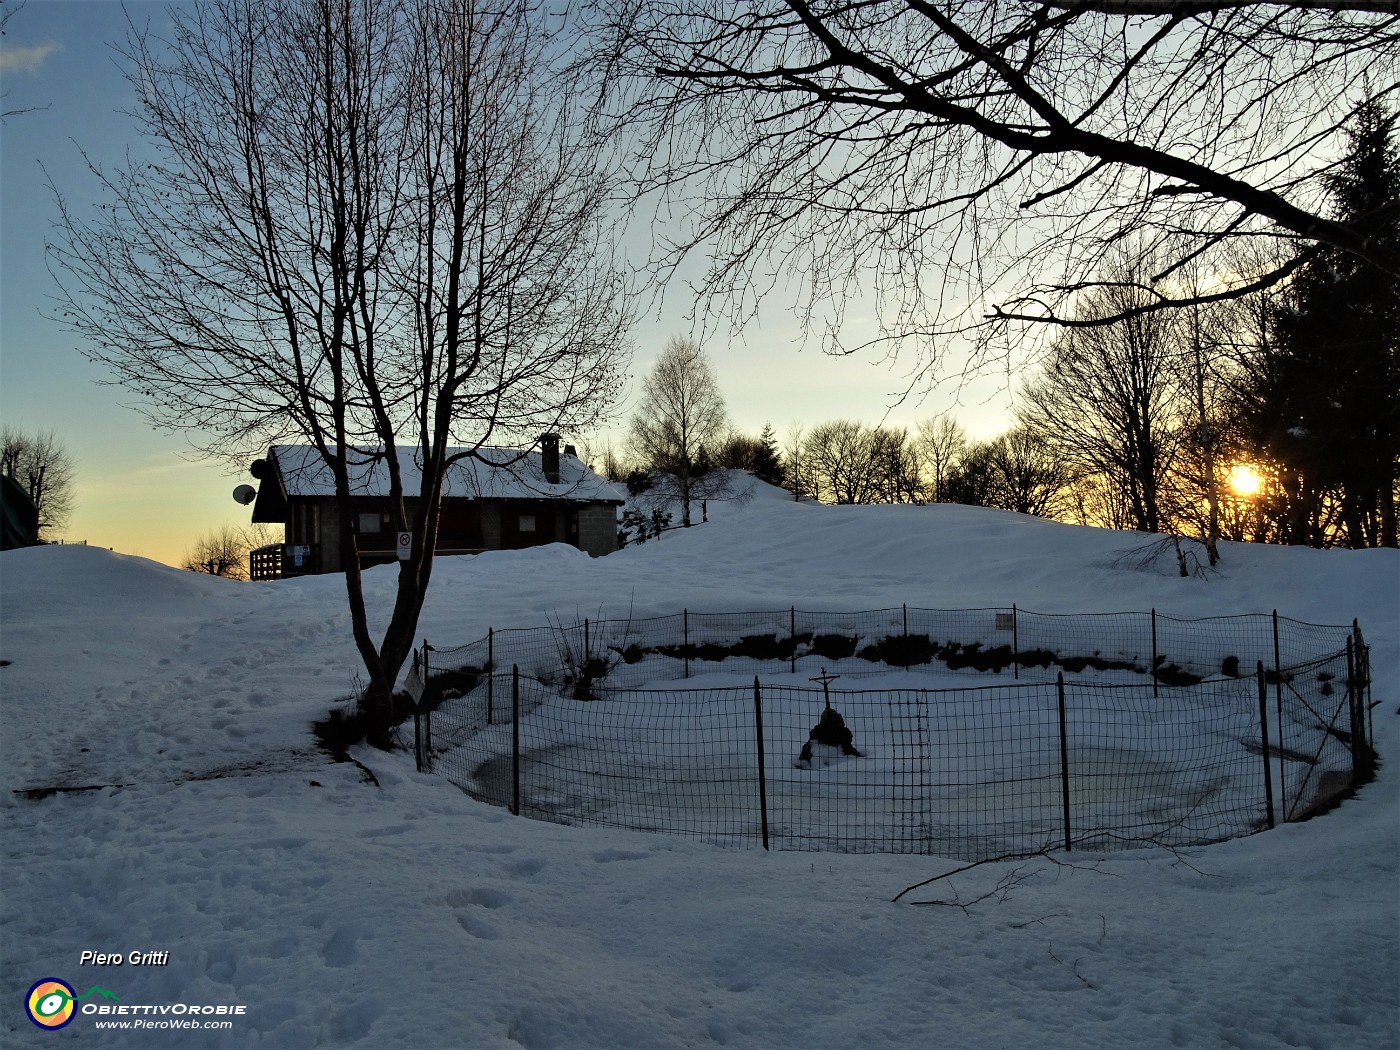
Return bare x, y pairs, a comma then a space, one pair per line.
490, 672
1064, 757
907, 666
418, 715
1278, 710
1015, 645
427, 714
685, 638
1363, 684
792, 613
1353, 711
1154, 652
515, 739
1264, 740
762, 775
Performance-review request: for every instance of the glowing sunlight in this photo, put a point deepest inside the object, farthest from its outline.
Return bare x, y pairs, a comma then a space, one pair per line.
1245, 479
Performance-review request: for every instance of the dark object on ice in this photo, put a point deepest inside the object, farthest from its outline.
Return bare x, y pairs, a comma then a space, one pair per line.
832, 732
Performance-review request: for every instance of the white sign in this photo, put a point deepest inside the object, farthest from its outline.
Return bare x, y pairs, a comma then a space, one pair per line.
405, 546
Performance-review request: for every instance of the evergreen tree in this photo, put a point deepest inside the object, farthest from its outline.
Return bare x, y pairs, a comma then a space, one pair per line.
1323, 399
768, 461
758, 455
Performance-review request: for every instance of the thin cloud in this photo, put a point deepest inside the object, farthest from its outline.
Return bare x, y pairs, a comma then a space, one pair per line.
26, 59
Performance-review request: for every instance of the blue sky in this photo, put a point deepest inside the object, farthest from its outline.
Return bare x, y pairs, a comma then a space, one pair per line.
140, 491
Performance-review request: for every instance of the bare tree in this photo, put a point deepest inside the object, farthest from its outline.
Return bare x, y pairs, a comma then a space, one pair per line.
940, 442
974, 481
680, 426
897, 467
850, 462
220, 552
838, 465
224, 551
1108, 400
1093, 499
375, 225
1014, 471
613, 468
1031, 477
971, 164
28, 58
40, 464
794, 463
1205, 450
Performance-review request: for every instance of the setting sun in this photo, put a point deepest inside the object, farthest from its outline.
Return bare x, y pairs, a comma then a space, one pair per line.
1245, 479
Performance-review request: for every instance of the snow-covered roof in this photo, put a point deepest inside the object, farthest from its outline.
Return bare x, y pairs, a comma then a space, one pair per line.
488, 473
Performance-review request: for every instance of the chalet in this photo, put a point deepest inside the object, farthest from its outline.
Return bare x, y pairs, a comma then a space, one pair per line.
499, 499
19, 517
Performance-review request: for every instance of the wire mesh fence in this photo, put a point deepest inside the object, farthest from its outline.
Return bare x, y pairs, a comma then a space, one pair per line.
1120, 737
601, 655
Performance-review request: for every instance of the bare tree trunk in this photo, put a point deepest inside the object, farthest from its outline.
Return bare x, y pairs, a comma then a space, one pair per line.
1207, 435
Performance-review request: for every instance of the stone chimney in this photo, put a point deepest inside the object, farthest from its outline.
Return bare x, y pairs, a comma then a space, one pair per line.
549, 457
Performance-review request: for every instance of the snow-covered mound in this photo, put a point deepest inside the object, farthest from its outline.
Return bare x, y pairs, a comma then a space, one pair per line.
190, 812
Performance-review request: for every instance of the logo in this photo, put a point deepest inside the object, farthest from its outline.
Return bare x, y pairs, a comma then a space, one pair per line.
50, 1002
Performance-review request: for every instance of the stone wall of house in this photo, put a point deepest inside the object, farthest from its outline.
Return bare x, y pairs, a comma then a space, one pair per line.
597, 529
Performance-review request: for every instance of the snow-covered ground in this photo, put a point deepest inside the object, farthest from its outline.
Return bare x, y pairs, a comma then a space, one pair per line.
344, 905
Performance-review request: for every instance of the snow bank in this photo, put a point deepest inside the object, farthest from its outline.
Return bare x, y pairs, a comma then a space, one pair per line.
342, 910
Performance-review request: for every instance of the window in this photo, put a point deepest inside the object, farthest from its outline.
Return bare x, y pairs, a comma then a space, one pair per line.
527, 523
369, 523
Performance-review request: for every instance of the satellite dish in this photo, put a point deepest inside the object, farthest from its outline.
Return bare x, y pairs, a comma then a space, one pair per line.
258, 468
245, 494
